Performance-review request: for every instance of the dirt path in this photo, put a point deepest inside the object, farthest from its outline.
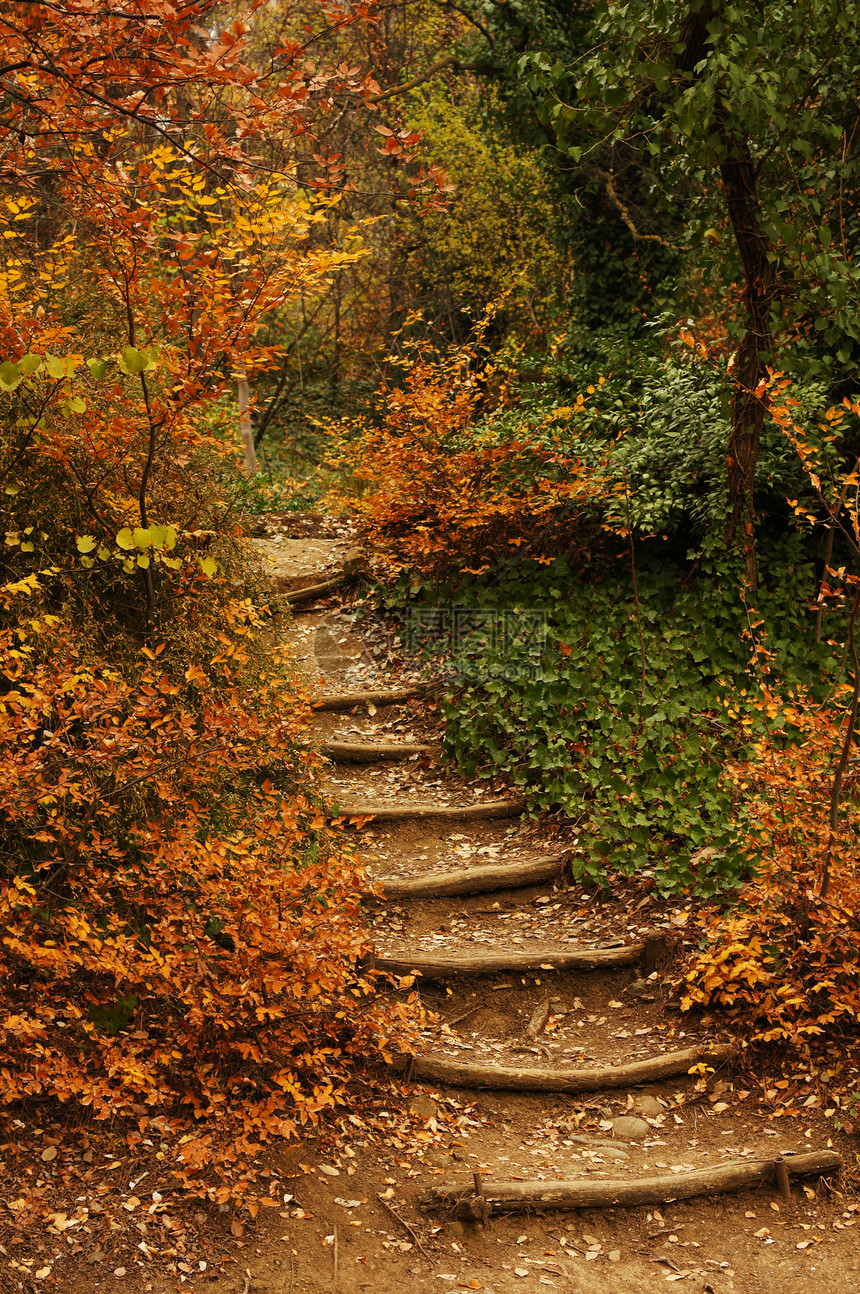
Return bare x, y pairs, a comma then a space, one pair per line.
502, 1010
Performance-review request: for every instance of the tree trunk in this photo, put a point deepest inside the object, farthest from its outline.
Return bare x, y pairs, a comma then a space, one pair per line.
754, 353
245, 431
752, 356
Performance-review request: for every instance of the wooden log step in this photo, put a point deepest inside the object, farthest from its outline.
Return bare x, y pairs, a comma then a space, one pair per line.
515, 1078
420, 811
583, 1193
370, 752
445, 966
313, 591
346, 700
478, 880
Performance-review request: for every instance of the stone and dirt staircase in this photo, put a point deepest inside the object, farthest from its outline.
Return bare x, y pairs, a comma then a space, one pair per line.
535, 988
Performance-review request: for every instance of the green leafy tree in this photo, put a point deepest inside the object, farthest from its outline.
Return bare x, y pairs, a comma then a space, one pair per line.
740, 123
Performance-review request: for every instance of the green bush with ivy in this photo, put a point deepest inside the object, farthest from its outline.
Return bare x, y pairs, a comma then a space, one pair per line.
623, 713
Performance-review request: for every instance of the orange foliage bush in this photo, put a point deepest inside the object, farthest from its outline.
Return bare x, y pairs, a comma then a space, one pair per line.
180, 934
783, 964
434, 489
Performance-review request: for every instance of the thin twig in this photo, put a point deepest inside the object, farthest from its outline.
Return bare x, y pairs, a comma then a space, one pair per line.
405, 1225
458, 1019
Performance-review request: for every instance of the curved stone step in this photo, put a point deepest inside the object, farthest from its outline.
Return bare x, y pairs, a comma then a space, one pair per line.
449, 966
421, 811
477, 880
373, 752
526, 1078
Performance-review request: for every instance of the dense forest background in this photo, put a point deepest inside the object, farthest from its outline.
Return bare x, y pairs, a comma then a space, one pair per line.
561, 302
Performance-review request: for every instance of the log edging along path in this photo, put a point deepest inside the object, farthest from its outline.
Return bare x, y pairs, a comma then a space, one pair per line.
312, 591
383, 696
451, 966
517, 1197
421, 811
477, 880
372, 752
515, 1078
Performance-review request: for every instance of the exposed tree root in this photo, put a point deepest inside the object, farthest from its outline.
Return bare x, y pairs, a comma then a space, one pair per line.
478, 880
519, 1197
441, 966
515, 1078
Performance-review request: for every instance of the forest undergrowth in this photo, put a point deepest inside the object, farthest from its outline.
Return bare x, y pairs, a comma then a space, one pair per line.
599, 646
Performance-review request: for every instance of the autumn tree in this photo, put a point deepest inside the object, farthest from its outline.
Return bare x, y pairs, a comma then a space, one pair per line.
179, 932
